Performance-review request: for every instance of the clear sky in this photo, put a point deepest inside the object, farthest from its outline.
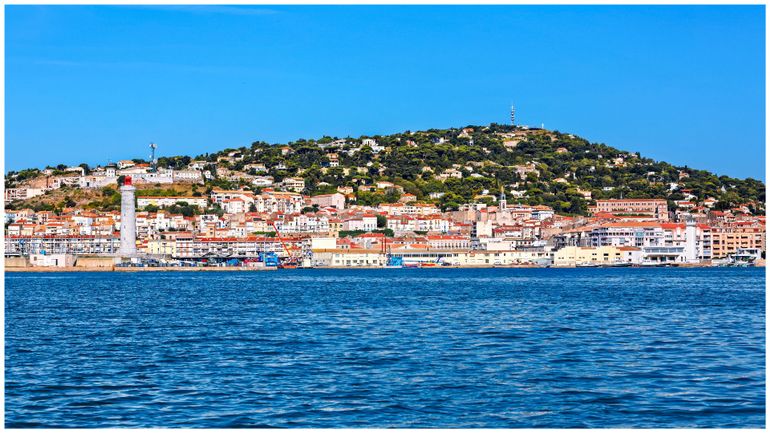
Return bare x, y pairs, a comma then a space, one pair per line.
98, 83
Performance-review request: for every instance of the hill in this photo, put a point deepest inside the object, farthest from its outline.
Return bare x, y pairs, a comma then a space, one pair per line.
471, 164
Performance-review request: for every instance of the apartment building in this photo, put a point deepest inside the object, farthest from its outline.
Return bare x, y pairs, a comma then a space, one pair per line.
726, 240
336, 200
640, 234
656, 208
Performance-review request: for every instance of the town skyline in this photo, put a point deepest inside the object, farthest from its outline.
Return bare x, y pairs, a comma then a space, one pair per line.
686, 94
508, 195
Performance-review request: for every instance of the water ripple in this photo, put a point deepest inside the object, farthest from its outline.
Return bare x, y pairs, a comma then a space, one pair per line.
555, 348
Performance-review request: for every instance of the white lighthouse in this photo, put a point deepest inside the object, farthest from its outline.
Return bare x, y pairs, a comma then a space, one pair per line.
127, 218
690, 247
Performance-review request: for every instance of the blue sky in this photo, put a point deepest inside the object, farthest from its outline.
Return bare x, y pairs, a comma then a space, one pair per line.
98, 83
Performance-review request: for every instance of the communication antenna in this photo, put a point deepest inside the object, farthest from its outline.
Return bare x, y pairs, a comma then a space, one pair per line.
153, 161
513, 115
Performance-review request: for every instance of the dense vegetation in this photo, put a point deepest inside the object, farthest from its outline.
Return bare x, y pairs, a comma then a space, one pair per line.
564, 169
567, 168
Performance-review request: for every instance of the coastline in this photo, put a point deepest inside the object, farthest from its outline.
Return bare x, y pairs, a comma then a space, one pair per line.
33, 269
127, 269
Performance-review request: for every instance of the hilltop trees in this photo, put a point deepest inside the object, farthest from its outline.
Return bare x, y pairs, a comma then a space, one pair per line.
540, 166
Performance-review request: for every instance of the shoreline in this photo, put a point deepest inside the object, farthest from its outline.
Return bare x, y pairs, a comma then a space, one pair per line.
263, 269
129, 269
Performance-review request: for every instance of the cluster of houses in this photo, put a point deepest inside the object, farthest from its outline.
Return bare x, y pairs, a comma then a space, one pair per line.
255, 174
104, 176
331, 230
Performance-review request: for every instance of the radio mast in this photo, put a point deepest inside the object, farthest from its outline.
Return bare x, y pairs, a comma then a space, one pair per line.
153, 161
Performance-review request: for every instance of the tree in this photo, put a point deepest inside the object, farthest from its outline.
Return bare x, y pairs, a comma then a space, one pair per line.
392, 195
382, 221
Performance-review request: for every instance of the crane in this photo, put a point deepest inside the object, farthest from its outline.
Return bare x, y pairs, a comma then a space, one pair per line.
293, 261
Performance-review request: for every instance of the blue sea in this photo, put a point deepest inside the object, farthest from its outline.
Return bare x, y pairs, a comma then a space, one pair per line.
387, 348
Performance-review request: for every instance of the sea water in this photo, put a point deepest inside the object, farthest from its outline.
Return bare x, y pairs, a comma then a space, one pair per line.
387, 348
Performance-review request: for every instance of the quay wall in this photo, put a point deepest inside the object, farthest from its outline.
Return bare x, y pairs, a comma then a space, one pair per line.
95, 262
127, 269
16, 262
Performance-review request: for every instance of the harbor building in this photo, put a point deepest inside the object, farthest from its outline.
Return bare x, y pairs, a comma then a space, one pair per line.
604, 256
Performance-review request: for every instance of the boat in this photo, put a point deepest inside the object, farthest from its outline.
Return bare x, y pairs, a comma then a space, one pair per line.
659, 264
394, 262
744, 257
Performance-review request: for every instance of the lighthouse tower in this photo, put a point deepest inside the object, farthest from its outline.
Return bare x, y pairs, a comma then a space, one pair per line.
127, 218
690, 233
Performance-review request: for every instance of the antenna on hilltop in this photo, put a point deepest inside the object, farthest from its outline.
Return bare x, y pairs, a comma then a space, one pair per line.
153, 161
513, 115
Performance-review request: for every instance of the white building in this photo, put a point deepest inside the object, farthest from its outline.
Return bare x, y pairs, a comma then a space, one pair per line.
294, 184
200, 202
366, 223
627, 234
12, 194
336, 200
